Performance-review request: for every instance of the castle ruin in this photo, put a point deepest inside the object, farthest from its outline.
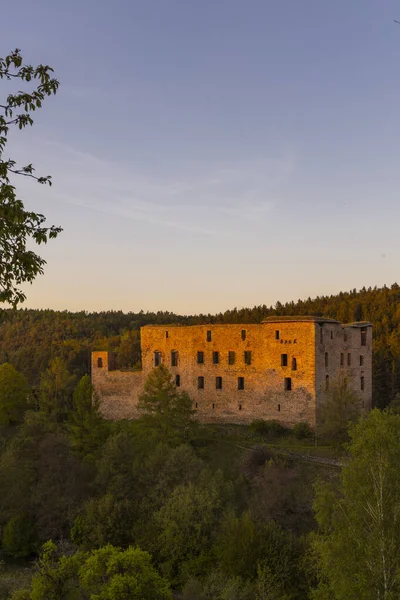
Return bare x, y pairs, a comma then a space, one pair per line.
280, 369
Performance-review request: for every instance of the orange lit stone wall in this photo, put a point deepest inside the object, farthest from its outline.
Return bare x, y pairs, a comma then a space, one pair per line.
264, 394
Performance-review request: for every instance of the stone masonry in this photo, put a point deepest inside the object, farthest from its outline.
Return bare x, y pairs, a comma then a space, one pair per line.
280, 369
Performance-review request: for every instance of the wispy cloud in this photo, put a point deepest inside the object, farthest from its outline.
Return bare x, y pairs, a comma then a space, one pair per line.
224, 196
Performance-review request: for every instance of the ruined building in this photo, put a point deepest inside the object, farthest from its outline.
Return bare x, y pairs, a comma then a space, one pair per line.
280, 369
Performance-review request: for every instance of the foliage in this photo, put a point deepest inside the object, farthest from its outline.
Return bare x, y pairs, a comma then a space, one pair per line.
171, 411
87, 428
302, 431
359, 523
14, 395
340, 408
269, 429
19, 227
19, 536
109, 573
56, 385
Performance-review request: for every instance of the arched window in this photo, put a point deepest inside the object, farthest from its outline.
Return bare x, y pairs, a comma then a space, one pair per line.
327, 383
294, 364
99, 363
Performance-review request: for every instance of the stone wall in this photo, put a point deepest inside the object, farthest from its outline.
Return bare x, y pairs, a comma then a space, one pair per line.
284, 380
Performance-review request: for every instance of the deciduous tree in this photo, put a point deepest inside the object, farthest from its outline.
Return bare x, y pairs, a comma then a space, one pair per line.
19, 227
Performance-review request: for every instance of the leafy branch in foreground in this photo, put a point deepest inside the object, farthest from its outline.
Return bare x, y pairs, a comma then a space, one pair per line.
17, 225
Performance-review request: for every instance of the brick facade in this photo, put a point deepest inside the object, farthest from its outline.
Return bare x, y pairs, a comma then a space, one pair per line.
279, 369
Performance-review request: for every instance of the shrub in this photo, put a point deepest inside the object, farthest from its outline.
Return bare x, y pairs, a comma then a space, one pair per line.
272, 429
302, 431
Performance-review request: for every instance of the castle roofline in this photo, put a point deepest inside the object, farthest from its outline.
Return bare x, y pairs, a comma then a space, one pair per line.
359, 324
299, 319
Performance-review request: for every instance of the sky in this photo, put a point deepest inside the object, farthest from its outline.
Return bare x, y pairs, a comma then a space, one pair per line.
208, 154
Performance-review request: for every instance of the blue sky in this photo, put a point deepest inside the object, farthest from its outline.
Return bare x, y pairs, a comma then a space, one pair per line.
215, 153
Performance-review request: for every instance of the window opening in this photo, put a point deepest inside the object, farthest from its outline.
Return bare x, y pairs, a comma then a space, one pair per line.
157, 358
283, 360
218, 383
294, 364
174, 358
231, 357
166, 334
243, 334
215, 358
361, 360
240, 407
341, 359
200, 383
349, 359
240, 383
99, 363
277, 334
200, 358
363, 336
279, 408
177, 380
288, 384
196, 405
331, 335
213, 405
326, 359
327, 383
208, 336
321, 335
362, 383
247, 357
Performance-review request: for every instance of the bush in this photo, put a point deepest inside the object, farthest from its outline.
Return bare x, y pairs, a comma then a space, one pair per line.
271, 429
302, 431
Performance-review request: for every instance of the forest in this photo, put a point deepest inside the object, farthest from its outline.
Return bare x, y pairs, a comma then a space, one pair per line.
162, 507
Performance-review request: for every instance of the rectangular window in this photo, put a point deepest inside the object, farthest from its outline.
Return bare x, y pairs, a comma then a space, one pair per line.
208, 336
277, 334
294, 364
196, 405
341, 359
157, 359
362, 383
279, 408
283, 360
331, 335
215, 358
247, 357
288, 384
231, 357
99, 363
240, 383
349, 359
363, 336
166, 334
177, 380
174, 358
200, 383
200, 358
218, 383
240, 407
213, 405
326, 359
243, 334
361, 361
